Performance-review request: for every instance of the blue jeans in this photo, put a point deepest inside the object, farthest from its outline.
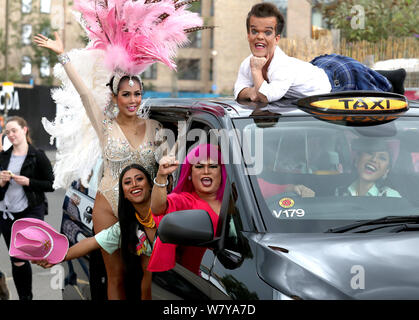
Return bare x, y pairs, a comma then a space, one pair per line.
347, 74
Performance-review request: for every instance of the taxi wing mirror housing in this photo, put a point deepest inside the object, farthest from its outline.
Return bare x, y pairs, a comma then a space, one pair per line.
187, 228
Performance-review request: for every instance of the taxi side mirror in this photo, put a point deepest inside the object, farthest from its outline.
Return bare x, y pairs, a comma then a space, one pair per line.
188, 228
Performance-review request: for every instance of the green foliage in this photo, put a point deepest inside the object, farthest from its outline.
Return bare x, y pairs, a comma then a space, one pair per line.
383, 18
13, 75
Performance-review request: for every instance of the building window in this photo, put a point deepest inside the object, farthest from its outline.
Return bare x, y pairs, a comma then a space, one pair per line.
26, 34
45, 6
44, 70
26, 66
150, 73
26, 6
189, 69
195, 39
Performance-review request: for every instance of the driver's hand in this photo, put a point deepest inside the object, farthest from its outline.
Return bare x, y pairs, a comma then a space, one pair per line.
303, 191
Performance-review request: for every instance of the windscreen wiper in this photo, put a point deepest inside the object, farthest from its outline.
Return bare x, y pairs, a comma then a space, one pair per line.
384, 220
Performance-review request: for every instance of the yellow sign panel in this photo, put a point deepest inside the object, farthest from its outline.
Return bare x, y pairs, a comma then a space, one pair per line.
361, 104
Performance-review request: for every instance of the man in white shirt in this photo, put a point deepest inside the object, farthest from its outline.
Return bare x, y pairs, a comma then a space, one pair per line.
269, 74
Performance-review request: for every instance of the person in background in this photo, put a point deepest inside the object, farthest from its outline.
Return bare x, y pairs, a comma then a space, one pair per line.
26, 173
200, 186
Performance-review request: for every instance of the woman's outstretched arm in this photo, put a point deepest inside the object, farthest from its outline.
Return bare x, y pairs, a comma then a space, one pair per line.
92, 109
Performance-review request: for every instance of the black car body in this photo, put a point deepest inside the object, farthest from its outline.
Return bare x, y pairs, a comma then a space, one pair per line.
279, 245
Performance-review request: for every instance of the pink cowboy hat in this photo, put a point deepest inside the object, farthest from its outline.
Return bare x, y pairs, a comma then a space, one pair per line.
34, 239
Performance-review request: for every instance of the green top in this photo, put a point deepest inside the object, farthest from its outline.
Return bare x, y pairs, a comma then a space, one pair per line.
109, 240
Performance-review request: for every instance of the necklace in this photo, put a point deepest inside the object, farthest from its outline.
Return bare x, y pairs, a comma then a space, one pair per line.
148, 221
135, 129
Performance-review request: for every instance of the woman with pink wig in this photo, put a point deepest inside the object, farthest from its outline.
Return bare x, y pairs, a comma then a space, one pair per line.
201, 186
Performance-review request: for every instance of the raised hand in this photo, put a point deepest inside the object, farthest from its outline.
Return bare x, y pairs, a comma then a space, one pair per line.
54, 45
167, 165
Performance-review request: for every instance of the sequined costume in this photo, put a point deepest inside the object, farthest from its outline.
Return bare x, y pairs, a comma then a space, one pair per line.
116, 150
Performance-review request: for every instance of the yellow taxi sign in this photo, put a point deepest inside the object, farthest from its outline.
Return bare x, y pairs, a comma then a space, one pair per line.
361, 104
355, 107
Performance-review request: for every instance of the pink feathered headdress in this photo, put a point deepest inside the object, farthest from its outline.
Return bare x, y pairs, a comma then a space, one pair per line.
136, 34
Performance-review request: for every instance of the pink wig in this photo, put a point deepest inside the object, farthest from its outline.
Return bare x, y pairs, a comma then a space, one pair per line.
199, 153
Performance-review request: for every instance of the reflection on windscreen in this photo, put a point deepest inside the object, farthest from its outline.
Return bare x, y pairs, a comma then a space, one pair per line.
353, 173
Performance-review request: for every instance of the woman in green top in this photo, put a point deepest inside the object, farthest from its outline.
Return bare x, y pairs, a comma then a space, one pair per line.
134, 232
373, 163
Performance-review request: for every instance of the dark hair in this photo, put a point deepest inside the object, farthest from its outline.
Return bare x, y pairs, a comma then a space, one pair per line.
265, 10
129, 226
22, 123
110, 84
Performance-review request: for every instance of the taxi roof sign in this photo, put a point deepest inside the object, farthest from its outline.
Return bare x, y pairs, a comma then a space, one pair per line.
355, 107
355, 102
361, 104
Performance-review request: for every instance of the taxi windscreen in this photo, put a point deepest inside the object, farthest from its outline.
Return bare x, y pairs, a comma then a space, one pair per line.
311, 175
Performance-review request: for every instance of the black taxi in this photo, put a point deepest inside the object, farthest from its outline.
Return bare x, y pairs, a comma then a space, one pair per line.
354, 235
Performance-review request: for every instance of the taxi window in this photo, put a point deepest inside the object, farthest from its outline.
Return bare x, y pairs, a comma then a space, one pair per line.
320, 171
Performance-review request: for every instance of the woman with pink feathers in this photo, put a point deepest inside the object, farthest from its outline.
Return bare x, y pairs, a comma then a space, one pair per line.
126, 37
